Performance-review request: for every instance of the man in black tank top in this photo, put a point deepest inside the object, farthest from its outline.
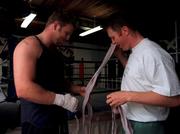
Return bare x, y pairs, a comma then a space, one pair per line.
39, 78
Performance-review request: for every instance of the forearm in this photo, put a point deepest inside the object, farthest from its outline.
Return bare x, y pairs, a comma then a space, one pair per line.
35, 93
152, 98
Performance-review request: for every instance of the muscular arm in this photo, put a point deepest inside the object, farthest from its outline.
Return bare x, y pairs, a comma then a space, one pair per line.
149, 98
24, 65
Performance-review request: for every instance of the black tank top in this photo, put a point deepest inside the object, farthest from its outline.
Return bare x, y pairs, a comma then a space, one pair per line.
49, 75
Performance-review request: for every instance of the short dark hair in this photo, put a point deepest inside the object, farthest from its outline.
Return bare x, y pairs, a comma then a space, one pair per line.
117, 21
62, 17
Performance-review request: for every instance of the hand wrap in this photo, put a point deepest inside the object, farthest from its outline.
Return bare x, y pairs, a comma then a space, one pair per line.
66, 101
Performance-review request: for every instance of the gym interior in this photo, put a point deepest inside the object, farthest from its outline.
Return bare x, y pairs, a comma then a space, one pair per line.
84, 55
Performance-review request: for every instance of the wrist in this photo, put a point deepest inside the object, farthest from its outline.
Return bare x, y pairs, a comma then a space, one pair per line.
59, 100
66, 101
130, 96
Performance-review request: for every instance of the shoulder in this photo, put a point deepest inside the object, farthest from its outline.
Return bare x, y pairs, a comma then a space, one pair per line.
147, 53
29, 42
155, 51
149, 48
29, 45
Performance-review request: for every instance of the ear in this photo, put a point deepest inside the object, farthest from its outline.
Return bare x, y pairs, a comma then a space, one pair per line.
125, 30
57, 25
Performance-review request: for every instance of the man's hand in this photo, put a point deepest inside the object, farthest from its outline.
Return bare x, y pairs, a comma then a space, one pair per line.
66, 101
82, 91
117, 98
119, 53
79, 90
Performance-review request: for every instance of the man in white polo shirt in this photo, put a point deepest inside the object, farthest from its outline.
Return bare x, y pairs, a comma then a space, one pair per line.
149, 85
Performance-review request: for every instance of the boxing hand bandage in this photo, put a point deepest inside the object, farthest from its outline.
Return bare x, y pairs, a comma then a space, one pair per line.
66, 101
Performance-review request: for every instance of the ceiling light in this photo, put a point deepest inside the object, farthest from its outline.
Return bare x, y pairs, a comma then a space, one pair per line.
27, 20
85, 28
95, 29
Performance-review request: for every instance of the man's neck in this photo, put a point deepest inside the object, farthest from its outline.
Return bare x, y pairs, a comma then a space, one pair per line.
136, 39
45, 38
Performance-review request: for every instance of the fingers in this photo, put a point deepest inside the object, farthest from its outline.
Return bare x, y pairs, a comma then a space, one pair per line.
110, 100
115, 99
82, 91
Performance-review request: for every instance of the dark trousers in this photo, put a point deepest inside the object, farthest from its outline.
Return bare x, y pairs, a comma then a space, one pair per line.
147, 127
28, 128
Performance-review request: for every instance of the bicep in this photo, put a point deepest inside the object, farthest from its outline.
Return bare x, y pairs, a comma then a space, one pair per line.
24, 62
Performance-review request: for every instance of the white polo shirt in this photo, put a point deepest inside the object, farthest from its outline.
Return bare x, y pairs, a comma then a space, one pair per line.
149, 68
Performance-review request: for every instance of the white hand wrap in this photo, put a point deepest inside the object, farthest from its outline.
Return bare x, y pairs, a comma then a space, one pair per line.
66, 101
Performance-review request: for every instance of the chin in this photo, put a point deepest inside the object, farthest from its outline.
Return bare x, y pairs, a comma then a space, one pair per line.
124, 49
127, 49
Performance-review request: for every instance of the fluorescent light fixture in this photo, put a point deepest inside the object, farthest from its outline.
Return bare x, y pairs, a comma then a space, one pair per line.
95, 29
27, 20
85, 28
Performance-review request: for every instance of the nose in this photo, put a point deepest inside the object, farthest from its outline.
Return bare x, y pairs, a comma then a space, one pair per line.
113, 42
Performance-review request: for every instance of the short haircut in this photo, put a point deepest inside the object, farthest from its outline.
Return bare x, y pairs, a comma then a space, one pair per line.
63, 18
117, 21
